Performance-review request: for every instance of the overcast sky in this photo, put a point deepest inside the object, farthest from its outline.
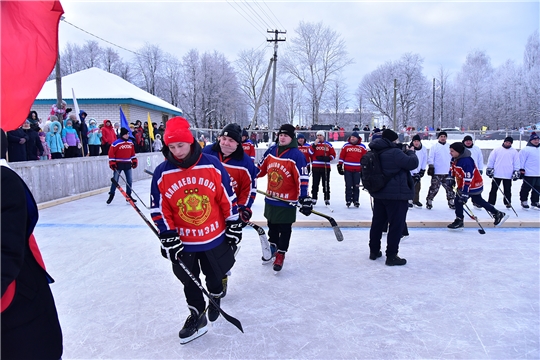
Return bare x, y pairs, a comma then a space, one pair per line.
442, 32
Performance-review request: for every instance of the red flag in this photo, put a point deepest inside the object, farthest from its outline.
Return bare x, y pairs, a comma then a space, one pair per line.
29, 41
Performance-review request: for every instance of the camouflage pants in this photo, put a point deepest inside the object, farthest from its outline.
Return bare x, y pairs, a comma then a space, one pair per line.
436, 182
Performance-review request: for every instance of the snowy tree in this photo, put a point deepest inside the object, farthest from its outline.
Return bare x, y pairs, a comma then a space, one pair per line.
92, 54
531, 86
315, 56
148, 65
251, 67
190, 87
336, 99
70, 59
172, 71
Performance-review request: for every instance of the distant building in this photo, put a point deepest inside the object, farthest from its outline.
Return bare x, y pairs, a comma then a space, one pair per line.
100, 94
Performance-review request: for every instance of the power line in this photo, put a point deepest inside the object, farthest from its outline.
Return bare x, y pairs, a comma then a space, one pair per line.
283, 27
256, 28
247, 5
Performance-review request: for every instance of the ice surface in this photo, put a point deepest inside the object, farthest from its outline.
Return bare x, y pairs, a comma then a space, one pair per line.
461, 294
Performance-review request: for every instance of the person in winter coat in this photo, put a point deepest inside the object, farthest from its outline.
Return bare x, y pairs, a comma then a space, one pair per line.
503, 166
46, 154
122, 158
322, 152
391, 203
94, 137
33, 144
54, 139
465, 176
63, 110
34, 120
30, 326
349, 166
438, 165
83, 128
17, 145
288, 179
418, 173
158, 145
529, 168
194, 209
107, 136
71, 141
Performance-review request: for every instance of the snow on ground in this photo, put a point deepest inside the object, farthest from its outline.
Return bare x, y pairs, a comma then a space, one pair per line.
461, 294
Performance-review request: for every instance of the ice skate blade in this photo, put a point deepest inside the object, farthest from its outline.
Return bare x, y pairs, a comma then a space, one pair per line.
269, 261
198, 334
503, 220
458, 229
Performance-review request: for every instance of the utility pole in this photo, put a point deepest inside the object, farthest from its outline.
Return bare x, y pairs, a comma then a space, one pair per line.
433, 119
292, 87
395, 100
275, 41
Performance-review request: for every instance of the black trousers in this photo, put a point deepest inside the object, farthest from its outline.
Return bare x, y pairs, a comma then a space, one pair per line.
393, 212
507, 184
213, 263
280, 235
530, 183
318, 175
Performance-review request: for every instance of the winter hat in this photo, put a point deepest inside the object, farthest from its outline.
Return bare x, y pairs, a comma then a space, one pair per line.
376, 130
534, 136
320, 132
92, 120
177, 130
416, 137
389, 134
234, 131
123, 131
459, 147
245, 133
300, 136
355, 134
509, 139
442, 133
467, 138
53, 118
41, 133
287, 129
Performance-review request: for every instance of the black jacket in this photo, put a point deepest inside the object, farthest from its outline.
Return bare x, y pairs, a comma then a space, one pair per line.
16, 151
395, 163
34, 149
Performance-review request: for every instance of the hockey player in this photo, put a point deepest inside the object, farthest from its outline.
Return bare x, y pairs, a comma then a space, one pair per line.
304, 149
438, 165
418, 173
322, 152
194, 209
285, 166
122, 158
349, 166
503, 166
476, 153
247, 145
229, 150
466, 177
529, 160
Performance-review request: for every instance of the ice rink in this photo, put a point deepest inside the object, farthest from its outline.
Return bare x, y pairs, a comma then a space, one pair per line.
461, 295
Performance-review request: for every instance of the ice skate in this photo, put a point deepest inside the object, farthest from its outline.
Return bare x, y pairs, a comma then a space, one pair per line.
535, 206
395, 260
213, 312
524, 205
429, 204
195, 326
278, 262
110, 199
357, 204
273, 249
417, 204
348, 204
499, 218
456, 225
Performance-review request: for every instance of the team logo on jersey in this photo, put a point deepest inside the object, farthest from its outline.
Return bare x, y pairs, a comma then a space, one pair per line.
194, 208
275, 180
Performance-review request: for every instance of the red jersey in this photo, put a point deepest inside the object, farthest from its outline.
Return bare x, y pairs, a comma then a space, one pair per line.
249, 149
322, 149
351, 155
304, 149
122, 151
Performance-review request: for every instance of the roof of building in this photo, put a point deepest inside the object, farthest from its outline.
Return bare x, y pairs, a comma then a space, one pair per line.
93, 86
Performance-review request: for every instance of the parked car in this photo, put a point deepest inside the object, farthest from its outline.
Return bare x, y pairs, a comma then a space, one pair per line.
502, 134
456, 134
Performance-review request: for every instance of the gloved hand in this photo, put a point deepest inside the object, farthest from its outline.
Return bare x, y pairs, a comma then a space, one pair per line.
490, 172
22, 141
450, 181
463, 197
307, 205
340, 169
113, 165
68, 110
244, 213
79, 145
516, 175
431, 170
521, 173
66, 145
134, 163
171, 245
233, 231
422, 173
416, 178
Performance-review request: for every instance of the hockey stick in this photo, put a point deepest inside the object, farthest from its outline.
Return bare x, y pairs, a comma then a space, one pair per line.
337, 231
227, 317
265, 245
472, 216
532, 187
132, 191
505, 198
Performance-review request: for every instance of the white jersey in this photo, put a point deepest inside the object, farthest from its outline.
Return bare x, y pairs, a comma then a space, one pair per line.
422, 160
529, 159
476, 155
440, 158
504, 162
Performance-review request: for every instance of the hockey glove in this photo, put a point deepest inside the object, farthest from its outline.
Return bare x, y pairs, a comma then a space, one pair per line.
340, 169
422, 173
324, 158
490, 172
521, 173
516, 175
463, 197
134, 163
171, 245
113, 166
431, 170
307, 205
450, 181
233, 232
244, 213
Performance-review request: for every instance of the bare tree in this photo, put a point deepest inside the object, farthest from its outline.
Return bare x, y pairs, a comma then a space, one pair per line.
190, 86
111, 61
377, 88
317, 55
172, 71
70, 59
149, 64
531, 88
92, 54
336, 99
251, 68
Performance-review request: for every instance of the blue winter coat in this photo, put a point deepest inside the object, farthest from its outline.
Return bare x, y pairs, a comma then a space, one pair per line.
54, 139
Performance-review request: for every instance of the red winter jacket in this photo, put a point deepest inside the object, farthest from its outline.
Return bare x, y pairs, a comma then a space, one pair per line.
108, 136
